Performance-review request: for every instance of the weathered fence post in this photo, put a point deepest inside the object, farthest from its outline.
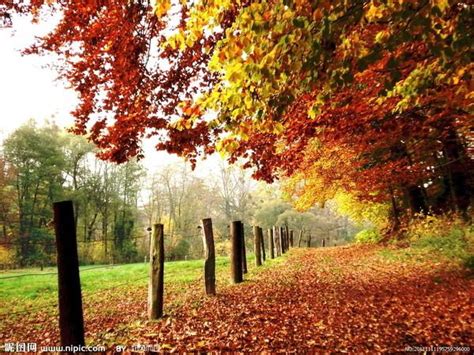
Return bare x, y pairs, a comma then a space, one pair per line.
210, 255
300, 238
276, 240
157, 265
236, 254
282, 240
71, 321
271, 245
262, 239
244, 251
309, 240
257, 245
291, 238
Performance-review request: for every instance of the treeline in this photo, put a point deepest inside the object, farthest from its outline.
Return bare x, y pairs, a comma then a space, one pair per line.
40, 165
179, 199
115, 204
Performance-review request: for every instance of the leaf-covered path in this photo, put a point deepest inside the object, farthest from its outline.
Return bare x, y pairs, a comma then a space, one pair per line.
345, 299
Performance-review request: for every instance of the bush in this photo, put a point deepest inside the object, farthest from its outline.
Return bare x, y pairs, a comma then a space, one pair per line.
179, 251
7, 258
92, 253
368, 236
446, 234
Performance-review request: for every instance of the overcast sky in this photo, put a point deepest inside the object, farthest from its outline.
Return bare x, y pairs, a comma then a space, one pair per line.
28, 89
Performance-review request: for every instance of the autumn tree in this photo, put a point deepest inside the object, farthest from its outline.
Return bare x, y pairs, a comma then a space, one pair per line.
369, 98
36, 155
179, 199
42, 165
8, 210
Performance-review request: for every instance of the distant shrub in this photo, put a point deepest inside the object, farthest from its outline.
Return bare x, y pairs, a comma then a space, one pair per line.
7, 257
92, 253
446, 234
368, 236
223, 247
180, 250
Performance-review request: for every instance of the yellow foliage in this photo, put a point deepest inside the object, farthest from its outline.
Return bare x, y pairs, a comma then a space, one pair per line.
433, 226
362, 212
375, 12
441, 4
162, 7
7, 256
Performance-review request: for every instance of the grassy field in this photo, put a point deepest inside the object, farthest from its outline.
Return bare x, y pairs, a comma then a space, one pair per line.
20, 291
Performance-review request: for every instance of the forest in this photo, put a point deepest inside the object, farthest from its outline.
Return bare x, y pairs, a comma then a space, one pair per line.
312, 189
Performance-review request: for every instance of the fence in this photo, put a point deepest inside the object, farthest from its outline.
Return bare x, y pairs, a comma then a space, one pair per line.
69, 304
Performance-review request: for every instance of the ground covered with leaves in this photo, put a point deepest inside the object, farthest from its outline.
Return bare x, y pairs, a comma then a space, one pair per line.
355, 298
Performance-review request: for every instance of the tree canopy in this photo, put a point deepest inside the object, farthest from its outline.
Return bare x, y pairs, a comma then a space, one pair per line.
373, 98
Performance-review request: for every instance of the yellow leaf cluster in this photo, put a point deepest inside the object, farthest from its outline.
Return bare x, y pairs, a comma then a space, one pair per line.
162, 7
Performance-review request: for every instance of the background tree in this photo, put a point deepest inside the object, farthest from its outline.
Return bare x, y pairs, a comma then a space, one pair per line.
36, 154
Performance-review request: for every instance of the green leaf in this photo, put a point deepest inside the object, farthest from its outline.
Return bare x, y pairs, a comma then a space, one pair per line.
299, 22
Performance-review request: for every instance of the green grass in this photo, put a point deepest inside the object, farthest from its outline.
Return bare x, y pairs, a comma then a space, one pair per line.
35, 290
404, 254
435, 239
96, 279
20, 293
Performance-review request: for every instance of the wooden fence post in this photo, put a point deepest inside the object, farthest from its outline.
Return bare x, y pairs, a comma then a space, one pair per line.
257, 245
276, 239
271, 245
210, 255
157, 265
309, 240
262, 239
282, 240
71, 321
300, 238
244, 249
236, 255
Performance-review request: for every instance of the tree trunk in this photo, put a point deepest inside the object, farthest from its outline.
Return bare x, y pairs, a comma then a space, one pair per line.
395, 211
460, 168
416, 199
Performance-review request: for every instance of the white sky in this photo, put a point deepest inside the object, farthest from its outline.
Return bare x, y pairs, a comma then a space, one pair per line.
29, 89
